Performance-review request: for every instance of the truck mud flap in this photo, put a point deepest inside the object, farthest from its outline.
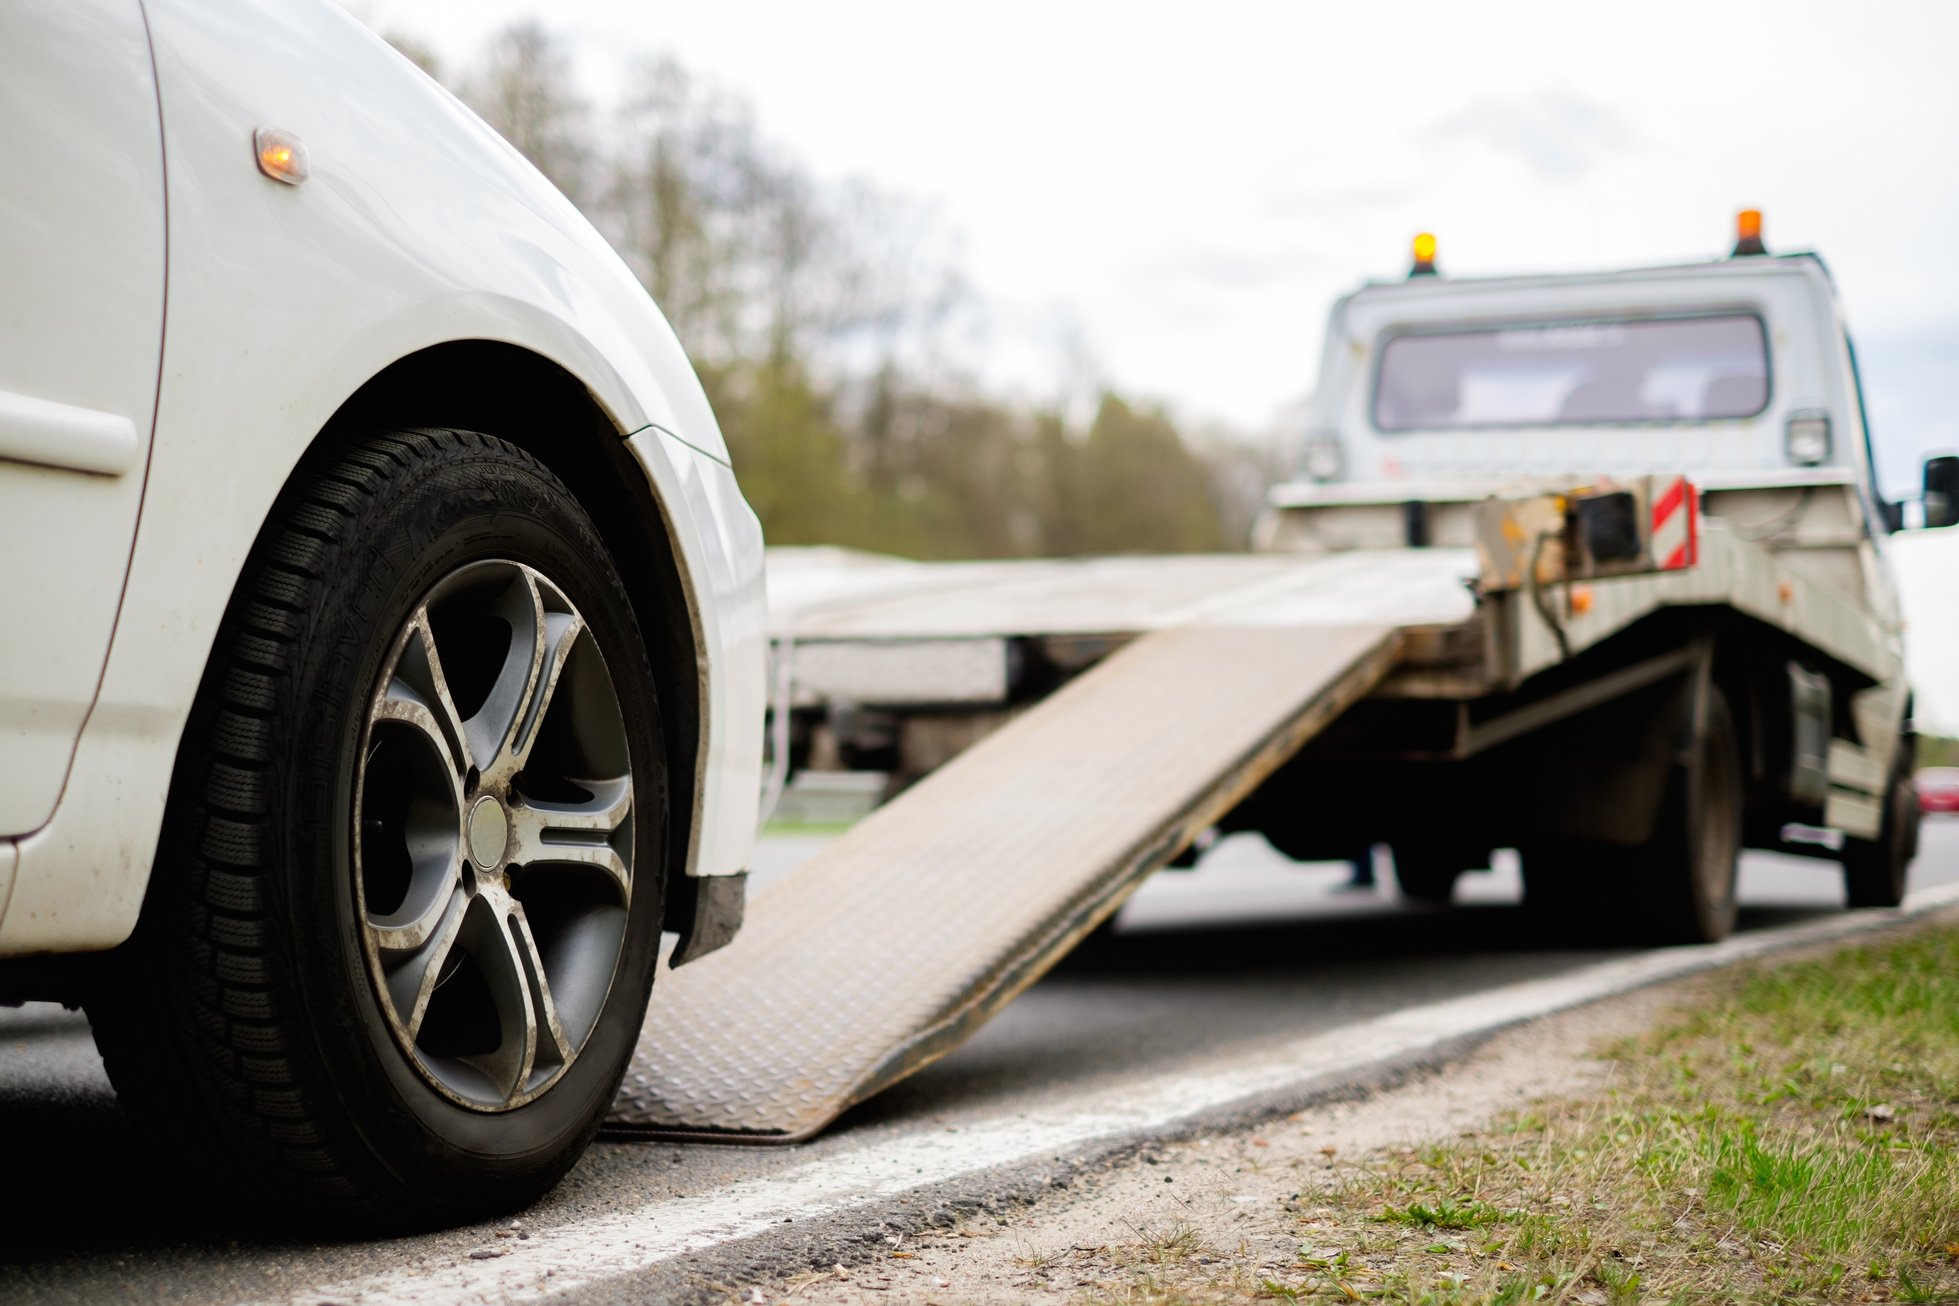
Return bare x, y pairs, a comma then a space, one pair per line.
897, 942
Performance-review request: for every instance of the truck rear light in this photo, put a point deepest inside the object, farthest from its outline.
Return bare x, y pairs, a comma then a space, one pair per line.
1806, 438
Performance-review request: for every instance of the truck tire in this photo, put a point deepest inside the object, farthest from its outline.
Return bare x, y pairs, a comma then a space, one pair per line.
1564, 886
398, 942
1678, 887
1688, 870
1875, 871
1427, 872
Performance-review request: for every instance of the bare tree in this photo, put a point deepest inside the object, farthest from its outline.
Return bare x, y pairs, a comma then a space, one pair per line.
819, 316
524, 89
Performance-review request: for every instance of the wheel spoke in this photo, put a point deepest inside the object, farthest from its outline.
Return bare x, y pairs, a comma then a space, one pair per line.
402, 703
493, 723
546, 832
504, 729
447, 713
418, 693
561, 632
414, 959
501, 958
410, 930
551, 1047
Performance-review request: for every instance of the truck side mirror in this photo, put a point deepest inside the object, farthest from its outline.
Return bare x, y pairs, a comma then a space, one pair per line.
1942, 491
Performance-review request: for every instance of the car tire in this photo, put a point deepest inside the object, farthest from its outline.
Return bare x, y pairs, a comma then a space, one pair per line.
1876, 871
399, 939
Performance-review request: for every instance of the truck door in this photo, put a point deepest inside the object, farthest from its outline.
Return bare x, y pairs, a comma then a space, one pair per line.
81, 332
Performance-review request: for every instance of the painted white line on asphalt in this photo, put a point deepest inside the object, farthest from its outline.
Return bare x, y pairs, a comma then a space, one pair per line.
589, 1252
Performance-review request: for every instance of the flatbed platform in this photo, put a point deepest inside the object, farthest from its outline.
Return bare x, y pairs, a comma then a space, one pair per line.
835, 594
898, 941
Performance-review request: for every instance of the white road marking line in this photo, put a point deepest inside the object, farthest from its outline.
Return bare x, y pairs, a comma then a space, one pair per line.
590, 1252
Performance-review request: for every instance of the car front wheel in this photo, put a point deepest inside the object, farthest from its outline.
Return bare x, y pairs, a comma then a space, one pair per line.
402, 928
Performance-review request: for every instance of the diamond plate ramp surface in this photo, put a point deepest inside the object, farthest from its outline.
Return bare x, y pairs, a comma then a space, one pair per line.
898, 941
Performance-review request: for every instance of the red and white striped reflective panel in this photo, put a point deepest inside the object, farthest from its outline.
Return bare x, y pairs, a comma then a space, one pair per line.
1676, 525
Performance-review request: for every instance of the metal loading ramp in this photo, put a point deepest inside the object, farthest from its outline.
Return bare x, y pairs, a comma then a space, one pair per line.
897, 942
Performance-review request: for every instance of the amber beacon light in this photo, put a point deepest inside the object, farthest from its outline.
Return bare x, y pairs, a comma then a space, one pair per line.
1748, 233
1424, 264
280, 155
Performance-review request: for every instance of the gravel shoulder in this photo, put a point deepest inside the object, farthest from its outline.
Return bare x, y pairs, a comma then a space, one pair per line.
1220, 1199
1777, 1131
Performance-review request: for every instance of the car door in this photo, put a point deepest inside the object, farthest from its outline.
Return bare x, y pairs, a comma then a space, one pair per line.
81, 329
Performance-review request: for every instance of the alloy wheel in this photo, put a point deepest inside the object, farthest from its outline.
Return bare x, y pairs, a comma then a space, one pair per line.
493, 835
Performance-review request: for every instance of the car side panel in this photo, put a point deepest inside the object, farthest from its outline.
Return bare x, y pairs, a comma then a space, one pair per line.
81, 326
418, 226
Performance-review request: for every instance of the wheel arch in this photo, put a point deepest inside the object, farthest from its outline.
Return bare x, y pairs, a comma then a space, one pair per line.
533, 402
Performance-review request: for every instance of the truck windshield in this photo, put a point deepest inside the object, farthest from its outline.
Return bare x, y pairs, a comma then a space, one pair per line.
1683, 369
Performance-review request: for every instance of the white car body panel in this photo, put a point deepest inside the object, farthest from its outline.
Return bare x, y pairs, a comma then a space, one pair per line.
81, 327
418, 226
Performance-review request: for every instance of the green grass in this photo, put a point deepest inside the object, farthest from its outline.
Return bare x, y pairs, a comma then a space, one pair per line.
1792, 1135
804, 828
1937, 750
1445, 1214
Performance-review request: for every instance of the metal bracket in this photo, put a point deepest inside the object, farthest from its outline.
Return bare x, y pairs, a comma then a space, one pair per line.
708, 910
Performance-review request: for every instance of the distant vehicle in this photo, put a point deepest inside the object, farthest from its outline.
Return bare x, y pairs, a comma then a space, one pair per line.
381, 656
1938, 789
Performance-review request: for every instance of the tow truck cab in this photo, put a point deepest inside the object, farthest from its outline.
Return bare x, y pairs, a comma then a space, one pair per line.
1740, 366
1738, 373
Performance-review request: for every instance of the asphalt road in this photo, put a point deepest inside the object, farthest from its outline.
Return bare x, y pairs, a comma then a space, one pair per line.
1238, 956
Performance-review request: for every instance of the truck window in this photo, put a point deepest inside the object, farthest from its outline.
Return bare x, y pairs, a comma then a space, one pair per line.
1681, 369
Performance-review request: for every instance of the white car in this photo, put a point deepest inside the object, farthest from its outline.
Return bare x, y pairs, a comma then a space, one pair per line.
381, 626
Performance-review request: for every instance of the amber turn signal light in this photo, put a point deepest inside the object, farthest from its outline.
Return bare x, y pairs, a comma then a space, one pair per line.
1748, 233
280, 155
1424, 265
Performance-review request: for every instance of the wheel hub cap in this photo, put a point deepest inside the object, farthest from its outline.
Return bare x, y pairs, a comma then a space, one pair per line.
489, 832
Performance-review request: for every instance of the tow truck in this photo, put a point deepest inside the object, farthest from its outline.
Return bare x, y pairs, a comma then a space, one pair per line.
1595, 564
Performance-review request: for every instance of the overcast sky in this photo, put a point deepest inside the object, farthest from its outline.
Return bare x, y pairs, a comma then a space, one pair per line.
1181, 189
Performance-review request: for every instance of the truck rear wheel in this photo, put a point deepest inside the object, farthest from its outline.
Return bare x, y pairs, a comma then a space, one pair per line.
1681, 881
1875, 871
1564, 882
1691, 861
1427, 872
